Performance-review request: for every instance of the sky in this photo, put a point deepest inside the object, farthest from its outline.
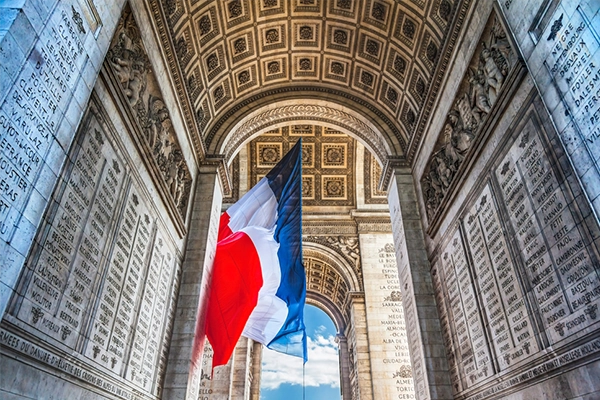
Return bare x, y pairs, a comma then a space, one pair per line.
281, 377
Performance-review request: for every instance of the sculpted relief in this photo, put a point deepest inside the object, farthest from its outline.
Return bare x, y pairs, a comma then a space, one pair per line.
131, 67
476, 97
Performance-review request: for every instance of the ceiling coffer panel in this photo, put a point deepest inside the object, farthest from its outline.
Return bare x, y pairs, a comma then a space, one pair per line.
385, 53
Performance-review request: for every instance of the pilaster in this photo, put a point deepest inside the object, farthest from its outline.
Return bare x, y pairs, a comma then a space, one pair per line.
256, 365
360, 359
344, 367
187, 343
427, 351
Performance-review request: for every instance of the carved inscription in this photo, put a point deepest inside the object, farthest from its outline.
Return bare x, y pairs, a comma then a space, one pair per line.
146, 345
98, 281
30, 117
390, 358
410, 311
114, 318
447, 333
561, 270
475, 358
66, 365
573, 63
169, 317
396, 342
534, 267
214, 385
502, 298
61, 286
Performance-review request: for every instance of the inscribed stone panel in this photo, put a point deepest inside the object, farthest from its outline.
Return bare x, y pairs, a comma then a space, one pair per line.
469, 336
502, 298
571, 54
560, 268
534, 269
100, 280
391, 370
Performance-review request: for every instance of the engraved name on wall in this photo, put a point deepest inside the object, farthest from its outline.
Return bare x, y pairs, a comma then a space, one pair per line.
394, 341
560, 268
517, 274
101, 278
413, 329
387, 331
31, 114
572, 71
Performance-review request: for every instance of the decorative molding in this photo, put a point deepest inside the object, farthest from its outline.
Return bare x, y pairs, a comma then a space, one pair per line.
319, 228
346, 246
452, 32
372, 176
370, 225
391, 163
131, 70
163, 21
273, 116
478, 93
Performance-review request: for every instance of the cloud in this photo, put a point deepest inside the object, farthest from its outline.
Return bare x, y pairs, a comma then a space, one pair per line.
322, 367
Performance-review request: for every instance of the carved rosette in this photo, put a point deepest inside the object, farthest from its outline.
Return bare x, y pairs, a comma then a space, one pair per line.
478, 93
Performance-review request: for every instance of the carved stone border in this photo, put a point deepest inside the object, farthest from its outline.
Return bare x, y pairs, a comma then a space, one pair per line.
478, 126
271, 117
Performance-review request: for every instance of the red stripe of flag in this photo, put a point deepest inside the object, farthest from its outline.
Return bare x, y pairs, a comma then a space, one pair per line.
235, 283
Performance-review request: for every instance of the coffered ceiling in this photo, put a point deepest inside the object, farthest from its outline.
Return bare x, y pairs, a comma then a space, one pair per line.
380, 58
328, 176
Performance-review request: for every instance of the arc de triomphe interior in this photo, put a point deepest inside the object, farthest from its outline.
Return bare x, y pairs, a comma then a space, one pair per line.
451, 190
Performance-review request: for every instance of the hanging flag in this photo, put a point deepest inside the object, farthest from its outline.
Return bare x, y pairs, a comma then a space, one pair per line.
258, 284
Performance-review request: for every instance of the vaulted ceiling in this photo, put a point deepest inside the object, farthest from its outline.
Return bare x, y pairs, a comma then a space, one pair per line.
382, 59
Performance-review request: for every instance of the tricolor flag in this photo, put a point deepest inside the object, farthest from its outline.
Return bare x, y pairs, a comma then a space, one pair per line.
258, 284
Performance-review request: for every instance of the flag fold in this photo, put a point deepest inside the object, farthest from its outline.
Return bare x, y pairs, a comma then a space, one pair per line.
258, 283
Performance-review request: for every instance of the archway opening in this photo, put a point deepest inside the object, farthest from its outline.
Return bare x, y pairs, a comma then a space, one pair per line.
350, 267
282, 377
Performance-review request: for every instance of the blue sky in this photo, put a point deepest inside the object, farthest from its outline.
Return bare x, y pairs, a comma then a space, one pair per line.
281, 377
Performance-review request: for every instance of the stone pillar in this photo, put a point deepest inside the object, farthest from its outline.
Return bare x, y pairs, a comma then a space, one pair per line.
427, 350
361, 362
187, 344
215, 384
346, 387
239, 388
256, 367
390, 360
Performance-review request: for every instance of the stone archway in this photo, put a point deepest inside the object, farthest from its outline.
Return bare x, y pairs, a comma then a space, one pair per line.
329, 282
325, 113
351, 273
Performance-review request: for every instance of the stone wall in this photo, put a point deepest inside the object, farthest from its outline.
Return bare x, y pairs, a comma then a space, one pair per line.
93, 223
560, 43
514, 245
49, 59
388, 346
96, 308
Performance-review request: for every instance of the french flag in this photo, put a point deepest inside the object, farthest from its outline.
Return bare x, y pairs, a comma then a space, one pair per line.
258, 284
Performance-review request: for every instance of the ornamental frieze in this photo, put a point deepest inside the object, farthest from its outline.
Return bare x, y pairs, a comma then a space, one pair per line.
478, 92
131, 68
346, 246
